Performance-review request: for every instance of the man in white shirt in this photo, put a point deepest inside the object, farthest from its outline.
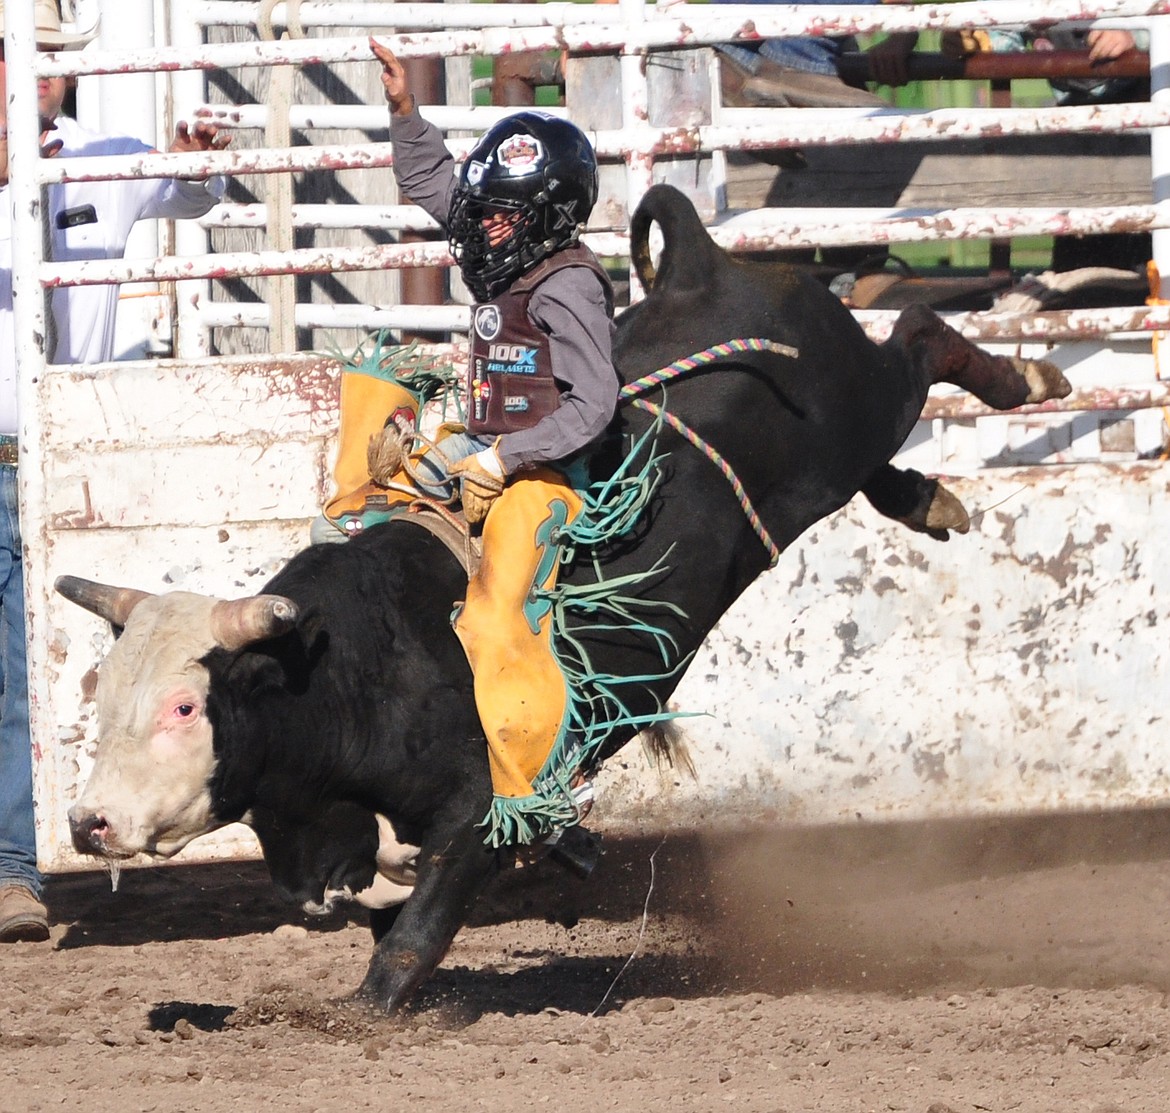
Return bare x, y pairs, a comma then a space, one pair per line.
87, 220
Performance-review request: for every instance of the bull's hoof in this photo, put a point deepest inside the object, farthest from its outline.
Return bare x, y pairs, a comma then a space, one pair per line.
577, 849
946, 512
1045, 380
939, 514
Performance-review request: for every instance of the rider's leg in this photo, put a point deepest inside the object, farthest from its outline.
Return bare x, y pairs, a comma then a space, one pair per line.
505, 627
367, 404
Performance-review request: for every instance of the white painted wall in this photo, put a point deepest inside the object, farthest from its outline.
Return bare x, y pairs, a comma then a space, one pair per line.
873, 673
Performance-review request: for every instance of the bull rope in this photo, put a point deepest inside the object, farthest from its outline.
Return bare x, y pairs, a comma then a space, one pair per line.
680, 367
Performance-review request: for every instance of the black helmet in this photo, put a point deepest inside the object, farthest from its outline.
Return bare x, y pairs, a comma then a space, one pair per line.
536, 166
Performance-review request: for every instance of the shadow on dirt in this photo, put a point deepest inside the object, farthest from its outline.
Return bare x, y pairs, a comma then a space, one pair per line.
899, 907
207, 1018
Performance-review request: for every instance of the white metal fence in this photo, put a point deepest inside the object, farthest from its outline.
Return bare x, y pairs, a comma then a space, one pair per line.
630, 29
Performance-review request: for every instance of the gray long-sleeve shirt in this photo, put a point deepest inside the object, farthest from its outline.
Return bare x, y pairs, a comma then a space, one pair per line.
569, 305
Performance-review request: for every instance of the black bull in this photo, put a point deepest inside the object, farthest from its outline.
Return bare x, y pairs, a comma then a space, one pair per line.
351, 697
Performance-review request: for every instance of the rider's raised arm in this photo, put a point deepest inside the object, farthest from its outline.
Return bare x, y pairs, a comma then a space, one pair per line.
423, 167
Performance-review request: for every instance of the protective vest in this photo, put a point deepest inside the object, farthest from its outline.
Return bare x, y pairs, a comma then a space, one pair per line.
510, 383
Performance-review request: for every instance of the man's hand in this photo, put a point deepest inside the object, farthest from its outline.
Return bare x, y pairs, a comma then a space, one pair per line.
202, 137
49, 149
889, 59
1107, 45
394, 83
483, 482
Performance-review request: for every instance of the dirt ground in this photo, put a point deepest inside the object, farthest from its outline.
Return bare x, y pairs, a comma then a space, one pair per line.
936, 968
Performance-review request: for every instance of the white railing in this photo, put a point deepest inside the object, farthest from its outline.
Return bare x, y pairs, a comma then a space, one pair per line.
630, 29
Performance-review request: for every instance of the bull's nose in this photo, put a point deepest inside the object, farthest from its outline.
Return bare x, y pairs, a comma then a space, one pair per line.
90, 832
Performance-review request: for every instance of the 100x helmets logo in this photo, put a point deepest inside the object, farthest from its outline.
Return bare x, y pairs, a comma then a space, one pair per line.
488, 322
520, 154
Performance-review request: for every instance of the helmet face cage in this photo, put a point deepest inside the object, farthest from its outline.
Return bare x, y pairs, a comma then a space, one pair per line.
537, 167
486, 269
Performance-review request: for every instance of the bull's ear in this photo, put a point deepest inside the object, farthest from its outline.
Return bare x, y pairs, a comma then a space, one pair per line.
236, 623
114, 604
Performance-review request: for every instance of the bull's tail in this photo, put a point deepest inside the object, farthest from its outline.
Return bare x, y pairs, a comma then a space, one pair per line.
688, 253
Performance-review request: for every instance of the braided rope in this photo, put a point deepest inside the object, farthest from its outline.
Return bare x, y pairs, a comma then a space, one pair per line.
630, 392
701, 359
713, 455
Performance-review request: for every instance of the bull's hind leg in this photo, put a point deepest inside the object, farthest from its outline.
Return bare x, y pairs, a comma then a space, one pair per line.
1003, 382
917, 501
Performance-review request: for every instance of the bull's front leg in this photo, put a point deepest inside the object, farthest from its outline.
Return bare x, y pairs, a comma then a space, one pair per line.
917, 501
454, 866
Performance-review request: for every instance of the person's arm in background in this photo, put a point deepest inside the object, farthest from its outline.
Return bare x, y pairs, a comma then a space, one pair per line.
186, 198
889, 59
49, 150
1105, 45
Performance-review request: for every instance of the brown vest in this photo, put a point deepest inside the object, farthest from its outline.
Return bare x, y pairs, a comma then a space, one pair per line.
510, 383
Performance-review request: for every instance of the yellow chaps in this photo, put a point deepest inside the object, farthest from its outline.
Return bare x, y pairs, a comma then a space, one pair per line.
506, 628
505, 623
367, 403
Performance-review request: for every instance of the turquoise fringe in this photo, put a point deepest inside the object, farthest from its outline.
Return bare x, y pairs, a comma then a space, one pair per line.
426, 376
597, 701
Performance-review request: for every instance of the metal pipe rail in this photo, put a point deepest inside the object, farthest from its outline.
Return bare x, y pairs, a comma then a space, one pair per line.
409, 318
360, 117
1048, 327
679, 26
768, 229
422, 15
409, 218
1005, 66
785, 127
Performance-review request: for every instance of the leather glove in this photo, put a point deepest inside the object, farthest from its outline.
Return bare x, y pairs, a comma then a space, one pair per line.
483, 481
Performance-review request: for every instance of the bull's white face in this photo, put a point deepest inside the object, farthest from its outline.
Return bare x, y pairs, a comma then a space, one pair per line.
149, 790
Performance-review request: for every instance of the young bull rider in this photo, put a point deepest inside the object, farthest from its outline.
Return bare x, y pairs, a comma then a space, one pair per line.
541, 388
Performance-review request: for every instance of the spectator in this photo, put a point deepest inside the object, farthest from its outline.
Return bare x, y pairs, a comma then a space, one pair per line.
1120, 250
801, 71
1103, 46
88, 220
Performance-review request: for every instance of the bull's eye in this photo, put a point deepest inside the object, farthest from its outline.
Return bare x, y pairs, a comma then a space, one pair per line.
185, 710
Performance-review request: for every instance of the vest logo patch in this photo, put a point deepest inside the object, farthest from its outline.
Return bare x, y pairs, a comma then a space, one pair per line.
519, 154
515, 403
517, 359
488, 321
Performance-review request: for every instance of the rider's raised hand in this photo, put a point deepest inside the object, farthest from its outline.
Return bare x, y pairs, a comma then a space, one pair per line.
394, 83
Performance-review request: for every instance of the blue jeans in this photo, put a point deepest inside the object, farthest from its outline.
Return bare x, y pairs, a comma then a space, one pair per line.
18, 847
456, 447
807, 53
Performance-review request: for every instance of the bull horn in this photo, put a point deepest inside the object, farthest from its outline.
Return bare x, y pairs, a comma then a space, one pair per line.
114, 604
236, 623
